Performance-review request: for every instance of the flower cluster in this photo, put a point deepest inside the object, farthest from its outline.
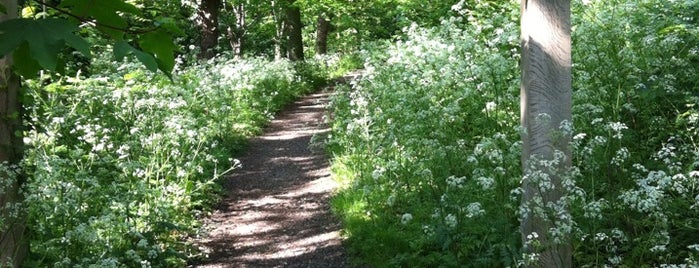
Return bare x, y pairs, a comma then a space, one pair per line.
432, 131
122, 164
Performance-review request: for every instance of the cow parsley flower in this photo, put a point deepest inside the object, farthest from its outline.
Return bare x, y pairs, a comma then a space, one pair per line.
450, 220
406, 218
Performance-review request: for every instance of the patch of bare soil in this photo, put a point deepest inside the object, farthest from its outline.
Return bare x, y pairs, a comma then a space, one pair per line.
276, 212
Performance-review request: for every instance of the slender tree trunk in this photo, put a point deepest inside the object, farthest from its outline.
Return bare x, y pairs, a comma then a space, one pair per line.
294, 32
546, 104
280, 23
322, 35
13, 246
207, 18
236, 33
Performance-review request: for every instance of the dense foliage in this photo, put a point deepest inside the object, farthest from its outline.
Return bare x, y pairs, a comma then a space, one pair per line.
122, 164
428, 142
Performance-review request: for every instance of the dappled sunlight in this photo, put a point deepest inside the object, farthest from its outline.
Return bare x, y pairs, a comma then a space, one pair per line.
277, 213
289, 135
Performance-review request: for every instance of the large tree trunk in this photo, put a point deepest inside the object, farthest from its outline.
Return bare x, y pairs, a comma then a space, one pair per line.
236, 33
207, 18
12, 242
294, 32
546, 104
322, 35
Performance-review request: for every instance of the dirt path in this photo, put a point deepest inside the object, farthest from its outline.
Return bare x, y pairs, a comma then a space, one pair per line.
277, 213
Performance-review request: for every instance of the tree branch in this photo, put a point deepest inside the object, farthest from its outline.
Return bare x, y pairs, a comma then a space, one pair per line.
94, 22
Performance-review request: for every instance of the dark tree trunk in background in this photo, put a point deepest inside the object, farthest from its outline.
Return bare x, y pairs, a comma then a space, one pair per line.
207, 18
322, 35
294, 32
13, 245
236, 32
546, 103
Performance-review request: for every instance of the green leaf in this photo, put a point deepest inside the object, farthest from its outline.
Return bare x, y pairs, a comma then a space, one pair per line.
90, 7
3, 10
679, 28
160, 44
44, 49
9, 39
105, 12
169, 24
123, 49
24, 63
45, 38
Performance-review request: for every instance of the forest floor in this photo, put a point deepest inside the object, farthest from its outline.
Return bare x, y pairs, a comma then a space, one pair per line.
276, 212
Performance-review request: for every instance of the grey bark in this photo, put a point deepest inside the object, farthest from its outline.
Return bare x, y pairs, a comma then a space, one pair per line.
13, 246
545, 90
236, 33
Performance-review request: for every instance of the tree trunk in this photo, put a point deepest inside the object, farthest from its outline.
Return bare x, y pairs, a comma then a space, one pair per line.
13, 246
322, 35
546, 104
294, 32
207, 18
236, 33
280, 23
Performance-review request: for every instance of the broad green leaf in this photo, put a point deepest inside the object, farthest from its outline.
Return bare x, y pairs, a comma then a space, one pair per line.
160, 44
24, 63
66, 30
3, 10
148, 60
10, 37
105, 12
43, 49
88, 7
45, 38
123, 49
169, 24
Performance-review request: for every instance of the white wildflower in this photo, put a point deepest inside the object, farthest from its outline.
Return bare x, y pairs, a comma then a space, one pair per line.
474, 209
456, 182
486, 182
450, 220
407, 217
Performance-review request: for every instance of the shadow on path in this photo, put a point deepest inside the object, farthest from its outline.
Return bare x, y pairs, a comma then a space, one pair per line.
276, 213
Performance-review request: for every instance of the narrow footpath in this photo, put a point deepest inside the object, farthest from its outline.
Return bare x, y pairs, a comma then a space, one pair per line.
276, 213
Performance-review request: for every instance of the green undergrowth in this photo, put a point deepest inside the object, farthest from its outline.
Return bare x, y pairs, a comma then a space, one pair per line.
123, 163
427, 144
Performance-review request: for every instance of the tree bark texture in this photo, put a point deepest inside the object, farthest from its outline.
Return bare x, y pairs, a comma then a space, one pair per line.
12, 225
278, 12
207, 18
294, 32
236, 33
322, 35
545, 103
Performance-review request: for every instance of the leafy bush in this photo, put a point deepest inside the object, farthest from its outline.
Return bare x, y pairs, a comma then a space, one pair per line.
427, 142
122, 164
